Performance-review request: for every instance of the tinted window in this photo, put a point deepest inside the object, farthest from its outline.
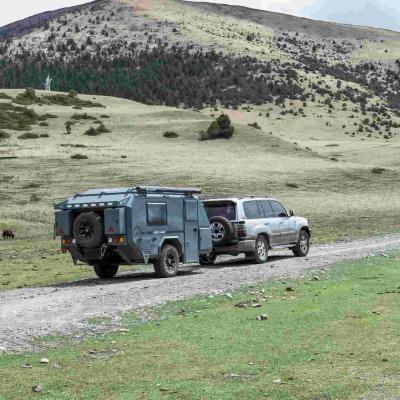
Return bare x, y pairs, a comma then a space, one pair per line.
156, 213
278, 209
225, 209
251, 210
266, 206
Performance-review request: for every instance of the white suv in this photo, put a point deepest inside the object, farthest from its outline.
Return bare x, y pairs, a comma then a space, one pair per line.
253, 225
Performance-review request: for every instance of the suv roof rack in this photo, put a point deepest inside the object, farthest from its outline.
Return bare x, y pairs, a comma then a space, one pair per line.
234, 196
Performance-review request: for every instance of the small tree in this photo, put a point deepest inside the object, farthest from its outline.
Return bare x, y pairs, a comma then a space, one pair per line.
221, 128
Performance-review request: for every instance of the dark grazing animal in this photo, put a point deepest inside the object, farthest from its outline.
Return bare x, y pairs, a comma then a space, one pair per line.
8, 234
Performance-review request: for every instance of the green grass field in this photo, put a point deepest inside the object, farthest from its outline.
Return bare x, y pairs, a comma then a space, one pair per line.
331, 338
316, 169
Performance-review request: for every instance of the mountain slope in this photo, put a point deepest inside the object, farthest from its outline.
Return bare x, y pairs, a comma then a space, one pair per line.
196, 54
27, 25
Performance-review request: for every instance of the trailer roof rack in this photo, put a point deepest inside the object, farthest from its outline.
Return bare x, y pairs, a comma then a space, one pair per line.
143, 190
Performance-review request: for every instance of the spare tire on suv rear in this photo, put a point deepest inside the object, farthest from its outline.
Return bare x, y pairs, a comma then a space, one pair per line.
222, 231
88, 230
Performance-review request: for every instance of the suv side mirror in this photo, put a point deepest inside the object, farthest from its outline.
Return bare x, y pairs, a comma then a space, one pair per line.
291, 213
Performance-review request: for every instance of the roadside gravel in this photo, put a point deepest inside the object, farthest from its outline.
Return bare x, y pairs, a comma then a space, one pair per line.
65, 309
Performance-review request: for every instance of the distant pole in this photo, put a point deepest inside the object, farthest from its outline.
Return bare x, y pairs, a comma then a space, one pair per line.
47, 84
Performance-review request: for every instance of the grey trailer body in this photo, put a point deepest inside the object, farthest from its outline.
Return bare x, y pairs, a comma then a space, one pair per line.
106, 228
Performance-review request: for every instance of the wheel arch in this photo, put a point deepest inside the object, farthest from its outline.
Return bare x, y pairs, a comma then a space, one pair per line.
266, 236
174, 241
306, 229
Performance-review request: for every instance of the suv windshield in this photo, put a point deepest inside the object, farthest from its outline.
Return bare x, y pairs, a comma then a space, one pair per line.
225, 209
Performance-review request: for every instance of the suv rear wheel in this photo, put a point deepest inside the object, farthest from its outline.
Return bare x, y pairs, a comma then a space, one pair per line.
303, 245
260, 255
168, 263
207, 259
105, 271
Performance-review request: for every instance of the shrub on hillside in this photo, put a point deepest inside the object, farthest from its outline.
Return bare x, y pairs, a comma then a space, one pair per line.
221, 128
79, 157
84, 116
255, 125
102, 128
92, 132
28, 98
4, 135
170, 135
28, 135
4, 96
46, 116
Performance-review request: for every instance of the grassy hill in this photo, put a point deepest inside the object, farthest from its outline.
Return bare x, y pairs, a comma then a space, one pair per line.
321, 172
325, 97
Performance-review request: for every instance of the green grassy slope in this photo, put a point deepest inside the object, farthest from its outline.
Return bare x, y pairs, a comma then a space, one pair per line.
331, 337
336, 188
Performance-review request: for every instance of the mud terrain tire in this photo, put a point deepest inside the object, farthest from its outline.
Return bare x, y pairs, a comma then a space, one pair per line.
222, 231
168, 263
88, 230
104, 271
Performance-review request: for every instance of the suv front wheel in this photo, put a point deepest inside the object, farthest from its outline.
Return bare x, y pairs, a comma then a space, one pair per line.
260, 255
303, 245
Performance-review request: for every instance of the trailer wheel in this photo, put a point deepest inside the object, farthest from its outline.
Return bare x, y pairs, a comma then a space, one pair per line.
105, 271
167, 264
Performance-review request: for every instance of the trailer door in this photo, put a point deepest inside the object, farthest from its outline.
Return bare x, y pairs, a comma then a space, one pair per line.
191, 231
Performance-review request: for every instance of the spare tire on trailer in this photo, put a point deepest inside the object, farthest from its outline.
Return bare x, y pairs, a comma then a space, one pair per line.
222, 231
88, 230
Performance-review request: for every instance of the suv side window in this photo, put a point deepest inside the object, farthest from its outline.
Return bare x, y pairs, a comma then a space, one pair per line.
252, 210
266, 206
157, 214
279, 211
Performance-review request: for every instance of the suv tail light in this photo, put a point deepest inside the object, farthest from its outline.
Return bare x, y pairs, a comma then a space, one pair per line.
241, 229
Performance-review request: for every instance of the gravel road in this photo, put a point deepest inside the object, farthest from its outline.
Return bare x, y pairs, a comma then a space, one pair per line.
65, 309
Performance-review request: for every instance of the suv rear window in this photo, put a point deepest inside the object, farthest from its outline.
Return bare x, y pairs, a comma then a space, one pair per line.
251, 210
225, 209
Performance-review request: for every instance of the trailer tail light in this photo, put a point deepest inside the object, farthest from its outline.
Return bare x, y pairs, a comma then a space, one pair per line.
67, 242
242, 233
116, 240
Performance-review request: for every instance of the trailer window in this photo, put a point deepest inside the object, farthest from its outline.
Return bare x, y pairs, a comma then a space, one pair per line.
225, 209
157, 213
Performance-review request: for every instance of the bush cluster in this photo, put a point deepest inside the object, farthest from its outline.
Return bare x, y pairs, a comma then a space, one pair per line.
221, 128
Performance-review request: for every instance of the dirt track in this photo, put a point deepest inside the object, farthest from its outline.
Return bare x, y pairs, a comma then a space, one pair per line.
64, 309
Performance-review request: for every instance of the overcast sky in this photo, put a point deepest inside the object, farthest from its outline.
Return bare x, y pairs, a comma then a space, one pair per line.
378, 13
14, 10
